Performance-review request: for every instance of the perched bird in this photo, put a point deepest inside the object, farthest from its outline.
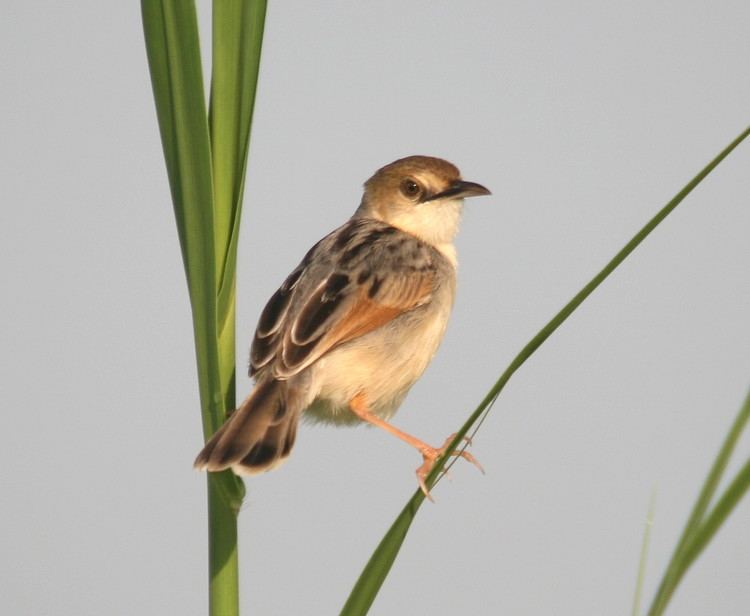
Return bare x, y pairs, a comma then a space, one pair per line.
356, 323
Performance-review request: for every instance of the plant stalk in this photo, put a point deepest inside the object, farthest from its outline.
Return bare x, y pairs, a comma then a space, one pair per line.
206, 156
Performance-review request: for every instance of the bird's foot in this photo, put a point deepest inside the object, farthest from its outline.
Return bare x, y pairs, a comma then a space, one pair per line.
431, 456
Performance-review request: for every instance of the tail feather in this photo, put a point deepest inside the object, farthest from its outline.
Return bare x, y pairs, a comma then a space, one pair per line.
258, 435
275, 446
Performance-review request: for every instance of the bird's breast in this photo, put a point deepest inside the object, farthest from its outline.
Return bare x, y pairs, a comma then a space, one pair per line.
382, 364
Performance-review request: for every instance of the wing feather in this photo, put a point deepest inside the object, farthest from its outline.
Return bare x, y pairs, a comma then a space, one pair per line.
267, 338
353, 312
357, 279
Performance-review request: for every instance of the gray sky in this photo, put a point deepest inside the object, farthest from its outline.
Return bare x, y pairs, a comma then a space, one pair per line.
583, 118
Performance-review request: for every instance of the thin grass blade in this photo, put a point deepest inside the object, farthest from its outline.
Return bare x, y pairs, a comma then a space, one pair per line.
718, 515
645, 542
377, 568
237, 41
701, 528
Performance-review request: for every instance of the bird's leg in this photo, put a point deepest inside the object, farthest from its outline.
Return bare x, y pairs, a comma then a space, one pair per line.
360, 408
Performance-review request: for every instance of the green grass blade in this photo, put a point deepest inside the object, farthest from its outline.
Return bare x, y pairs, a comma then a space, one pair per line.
380, 563
714, 477
701, 528
237, 41
718, 515
645, 542
377, 568
173, 49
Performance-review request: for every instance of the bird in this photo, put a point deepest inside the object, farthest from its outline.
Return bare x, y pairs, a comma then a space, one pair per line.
356, 323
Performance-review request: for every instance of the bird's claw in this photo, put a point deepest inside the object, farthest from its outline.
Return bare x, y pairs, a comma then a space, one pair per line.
431, 455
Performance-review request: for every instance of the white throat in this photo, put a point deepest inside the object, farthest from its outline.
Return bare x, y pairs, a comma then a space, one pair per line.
435, 222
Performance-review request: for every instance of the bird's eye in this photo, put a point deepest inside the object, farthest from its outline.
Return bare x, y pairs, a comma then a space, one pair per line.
410, 188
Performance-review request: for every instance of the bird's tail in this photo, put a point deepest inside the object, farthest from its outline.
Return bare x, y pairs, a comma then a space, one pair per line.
258, 435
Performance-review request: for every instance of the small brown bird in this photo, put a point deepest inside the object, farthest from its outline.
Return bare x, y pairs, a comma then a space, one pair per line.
355, 325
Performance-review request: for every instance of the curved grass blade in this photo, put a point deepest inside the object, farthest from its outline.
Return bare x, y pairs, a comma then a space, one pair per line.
701, 527
377, 568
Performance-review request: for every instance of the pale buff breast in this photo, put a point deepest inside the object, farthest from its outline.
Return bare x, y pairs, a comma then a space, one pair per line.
384, 363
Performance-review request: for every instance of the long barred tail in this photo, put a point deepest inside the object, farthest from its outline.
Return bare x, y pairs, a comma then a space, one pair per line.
258, 435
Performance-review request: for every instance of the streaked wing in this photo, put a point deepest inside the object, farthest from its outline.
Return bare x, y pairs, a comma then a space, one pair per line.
355, 280
269, 332
342, 309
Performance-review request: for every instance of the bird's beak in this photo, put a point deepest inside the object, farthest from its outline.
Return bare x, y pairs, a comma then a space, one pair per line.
460, 189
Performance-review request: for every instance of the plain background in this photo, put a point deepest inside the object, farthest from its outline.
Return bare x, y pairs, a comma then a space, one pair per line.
583, 118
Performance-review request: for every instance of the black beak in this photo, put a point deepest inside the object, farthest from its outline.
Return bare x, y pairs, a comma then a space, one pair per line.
460, 189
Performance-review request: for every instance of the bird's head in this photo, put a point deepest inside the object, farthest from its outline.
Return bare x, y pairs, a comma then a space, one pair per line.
420, 195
